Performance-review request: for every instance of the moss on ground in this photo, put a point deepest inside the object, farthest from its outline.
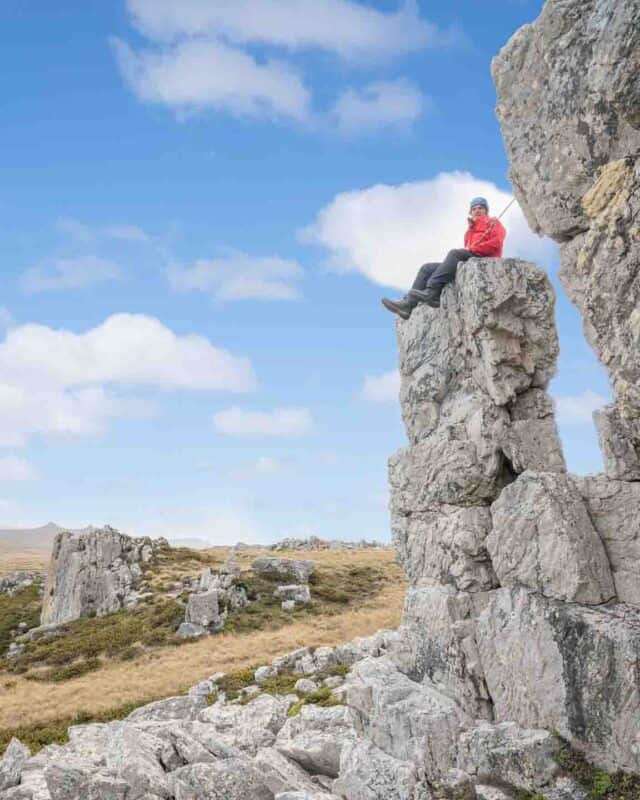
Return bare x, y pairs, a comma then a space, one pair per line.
333, 590
600, 784
25, 606
233, 684
76, 648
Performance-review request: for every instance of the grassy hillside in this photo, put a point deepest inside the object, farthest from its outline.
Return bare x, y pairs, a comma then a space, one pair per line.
99, 667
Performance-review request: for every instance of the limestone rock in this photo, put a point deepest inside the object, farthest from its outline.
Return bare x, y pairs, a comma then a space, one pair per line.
300, 570
188, 630
367, 773
250, 726
566, 667
12, 762
280, 773
508, 754
299, 593
614, 508
618, 444
203, 609
568, 102
439, 627
93, 573
230, 779
543, 538
315, 738
446, 546
173, 708
409, 721
572, 134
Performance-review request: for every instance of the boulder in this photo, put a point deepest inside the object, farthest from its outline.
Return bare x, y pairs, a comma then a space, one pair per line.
543, 538
315, 738
367, 773
248, 727
230, 779
186, 707
300, 570
566, 667
507, 754
299, 593
407, 720
614, 509
12, 762
204, 610
280, 773
94, 573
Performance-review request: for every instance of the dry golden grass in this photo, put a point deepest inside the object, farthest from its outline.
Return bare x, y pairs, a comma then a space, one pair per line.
168, 671
27, 560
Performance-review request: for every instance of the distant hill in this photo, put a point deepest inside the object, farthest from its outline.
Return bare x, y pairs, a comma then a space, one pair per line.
197, 544
32, 538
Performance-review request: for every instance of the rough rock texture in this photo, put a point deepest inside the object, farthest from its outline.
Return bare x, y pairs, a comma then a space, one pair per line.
572, 134
542, 537
473, 376
565, 666
295, 570
614, 508
91, 574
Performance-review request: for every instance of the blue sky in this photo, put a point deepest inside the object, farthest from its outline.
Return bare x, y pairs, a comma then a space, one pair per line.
202, 203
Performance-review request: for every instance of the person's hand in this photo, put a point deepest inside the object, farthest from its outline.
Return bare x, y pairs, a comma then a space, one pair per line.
470, 220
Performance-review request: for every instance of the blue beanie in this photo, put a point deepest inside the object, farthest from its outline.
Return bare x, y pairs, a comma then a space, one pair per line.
479, 201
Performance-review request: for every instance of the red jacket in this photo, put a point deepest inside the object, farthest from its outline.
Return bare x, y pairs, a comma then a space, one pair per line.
485, 237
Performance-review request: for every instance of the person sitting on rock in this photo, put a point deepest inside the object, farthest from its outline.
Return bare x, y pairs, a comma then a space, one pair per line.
484, 238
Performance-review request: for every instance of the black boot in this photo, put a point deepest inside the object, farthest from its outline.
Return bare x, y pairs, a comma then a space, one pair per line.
431, 296
402, 307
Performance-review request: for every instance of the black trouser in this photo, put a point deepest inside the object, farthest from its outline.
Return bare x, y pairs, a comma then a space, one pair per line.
438, 275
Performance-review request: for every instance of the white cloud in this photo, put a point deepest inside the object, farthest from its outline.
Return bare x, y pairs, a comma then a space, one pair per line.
380, 104
284, 422
69, 273
74, 229
60, 383
382, 388
127, 233
13, 468
578, 409
268, 465
240, 277
198, 74
350, 29
386, 232
6, 318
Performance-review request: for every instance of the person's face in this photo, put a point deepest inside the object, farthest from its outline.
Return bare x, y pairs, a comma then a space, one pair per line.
478, 211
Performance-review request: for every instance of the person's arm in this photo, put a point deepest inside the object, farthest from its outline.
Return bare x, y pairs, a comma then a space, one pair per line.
491, 242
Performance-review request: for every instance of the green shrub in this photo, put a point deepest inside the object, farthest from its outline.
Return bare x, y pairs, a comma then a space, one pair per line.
25, 606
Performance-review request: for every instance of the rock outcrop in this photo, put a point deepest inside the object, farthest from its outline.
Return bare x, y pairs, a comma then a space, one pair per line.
521, 629
572, 134
94, 573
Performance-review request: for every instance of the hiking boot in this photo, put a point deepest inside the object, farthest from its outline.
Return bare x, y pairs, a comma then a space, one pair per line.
402, 308
431, 296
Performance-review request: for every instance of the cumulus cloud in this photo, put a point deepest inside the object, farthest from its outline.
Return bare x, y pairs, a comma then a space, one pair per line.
69, 273
74, 229
350, 29
386, 232
282, 422
127, 233
240, 277
377, 105
382, 388
13, 468
578, 409
60, 383
199, 74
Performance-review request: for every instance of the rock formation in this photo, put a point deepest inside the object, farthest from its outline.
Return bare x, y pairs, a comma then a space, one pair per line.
572, 134
522, 621
94, 573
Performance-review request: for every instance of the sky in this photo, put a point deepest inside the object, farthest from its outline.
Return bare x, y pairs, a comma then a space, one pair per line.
202, 203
